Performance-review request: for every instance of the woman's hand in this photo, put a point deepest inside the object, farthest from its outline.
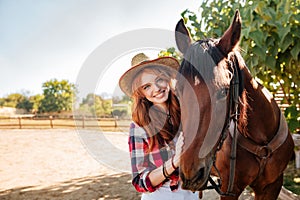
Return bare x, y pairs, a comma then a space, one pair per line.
178, 150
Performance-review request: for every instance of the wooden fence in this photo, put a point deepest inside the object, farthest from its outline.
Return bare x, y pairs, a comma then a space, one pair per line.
59, 121
21, 122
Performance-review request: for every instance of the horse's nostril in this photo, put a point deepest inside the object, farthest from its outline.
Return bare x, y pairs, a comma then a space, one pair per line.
197, 177
200, 174
195, 182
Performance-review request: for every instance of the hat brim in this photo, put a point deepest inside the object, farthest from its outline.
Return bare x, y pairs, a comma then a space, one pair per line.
169, 64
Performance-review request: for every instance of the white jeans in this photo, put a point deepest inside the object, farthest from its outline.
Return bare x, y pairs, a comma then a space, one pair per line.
165, 193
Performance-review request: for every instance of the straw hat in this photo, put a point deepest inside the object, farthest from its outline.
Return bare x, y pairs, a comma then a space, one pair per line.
140, 62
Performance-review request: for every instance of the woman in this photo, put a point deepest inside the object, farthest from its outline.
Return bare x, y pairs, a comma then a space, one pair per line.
153, 142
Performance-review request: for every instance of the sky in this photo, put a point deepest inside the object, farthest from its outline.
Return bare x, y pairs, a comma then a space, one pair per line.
47, 39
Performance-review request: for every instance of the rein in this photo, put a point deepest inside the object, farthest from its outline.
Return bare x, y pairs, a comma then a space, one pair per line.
234, 87
232, 116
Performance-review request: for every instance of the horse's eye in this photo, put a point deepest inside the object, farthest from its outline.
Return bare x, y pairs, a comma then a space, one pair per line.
222, 93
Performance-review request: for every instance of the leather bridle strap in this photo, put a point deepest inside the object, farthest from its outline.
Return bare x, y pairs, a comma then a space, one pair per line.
234, 90
233, 114
266, 150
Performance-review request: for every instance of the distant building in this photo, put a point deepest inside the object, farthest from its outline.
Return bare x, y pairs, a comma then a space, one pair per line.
9, 111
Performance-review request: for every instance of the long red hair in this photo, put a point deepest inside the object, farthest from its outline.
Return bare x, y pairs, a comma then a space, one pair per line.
160, 127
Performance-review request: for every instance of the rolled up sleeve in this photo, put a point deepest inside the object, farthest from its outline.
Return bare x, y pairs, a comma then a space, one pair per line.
140, 163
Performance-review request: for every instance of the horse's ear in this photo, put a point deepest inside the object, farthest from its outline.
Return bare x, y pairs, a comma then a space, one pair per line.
182, 36
232, 35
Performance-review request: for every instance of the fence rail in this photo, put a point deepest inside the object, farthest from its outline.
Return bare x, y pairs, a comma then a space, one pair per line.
21, 122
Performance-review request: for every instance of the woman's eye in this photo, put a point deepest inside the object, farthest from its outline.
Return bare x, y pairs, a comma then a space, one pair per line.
146, 87
160, 82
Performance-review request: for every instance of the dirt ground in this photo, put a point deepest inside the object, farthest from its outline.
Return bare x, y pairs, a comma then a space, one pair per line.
67, 165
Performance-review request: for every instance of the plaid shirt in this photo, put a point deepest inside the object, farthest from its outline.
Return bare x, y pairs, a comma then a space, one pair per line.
142, 163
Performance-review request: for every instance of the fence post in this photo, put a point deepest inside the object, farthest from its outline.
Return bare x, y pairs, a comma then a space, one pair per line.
20, 124
116, 121
51, 123
83, 121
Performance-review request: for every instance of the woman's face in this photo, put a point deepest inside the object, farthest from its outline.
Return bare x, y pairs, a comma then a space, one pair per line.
155, 88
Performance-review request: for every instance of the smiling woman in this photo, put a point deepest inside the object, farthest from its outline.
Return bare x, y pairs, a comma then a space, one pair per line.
154, 139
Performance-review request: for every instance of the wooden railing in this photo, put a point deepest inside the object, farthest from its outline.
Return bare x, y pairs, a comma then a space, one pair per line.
21, 122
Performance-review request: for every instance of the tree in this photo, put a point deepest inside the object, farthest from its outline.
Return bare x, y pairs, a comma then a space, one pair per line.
58, 96
13, 99
89, 100
2, 101
25, 104
269, 42
103, 107
122, 105
95, 104
36, 102
17, 100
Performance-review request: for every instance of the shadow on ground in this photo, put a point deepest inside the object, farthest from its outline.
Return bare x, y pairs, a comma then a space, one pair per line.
102, 187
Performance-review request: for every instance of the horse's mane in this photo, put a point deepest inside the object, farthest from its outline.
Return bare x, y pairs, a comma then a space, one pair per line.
204, 59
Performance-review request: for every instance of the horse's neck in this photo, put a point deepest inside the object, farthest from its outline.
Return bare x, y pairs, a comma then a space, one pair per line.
262, 111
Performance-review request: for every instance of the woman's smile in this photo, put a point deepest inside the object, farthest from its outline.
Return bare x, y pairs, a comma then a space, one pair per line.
155, 88
160, 94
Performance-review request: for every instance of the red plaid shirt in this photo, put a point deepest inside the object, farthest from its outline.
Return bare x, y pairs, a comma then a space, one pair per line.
142, 162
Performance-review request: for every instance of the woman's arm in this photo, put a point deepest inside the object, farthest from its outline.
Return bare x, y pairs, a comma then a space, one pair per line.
147, 177
157, 176
141, 164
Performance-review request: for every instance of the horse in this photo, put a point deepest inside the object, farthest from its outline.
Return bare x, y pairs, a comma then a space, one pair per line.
233, 128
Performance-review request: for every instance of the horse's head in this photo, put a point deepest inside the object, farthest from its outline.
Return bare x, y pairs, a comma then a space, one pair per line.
203, 85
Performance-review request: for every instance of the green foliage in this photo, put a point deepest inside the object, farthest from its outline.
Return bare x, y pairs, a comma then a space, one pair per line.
291, 178
89, 100
13, 100
292, 116
58, 96
25, 104
269, 41
103, 106
96, 105
17, 100
170, 52
2, 101
36, 102
122, 106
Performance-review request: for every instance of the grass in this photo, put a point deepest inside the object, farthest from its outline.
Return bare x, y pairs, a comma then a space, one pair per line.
291, 179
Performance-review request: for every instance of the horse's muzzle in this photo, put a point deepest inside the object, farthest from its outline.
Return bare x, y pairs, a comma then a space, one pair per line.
197, 183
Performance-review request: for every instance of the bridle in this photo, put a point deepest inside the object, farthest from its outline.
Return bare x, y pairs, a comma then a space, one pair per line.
261, 152
232, 116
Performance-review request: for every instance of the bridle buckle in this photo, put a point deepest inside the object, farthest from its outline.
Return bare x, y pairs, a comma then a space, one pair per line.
264, 152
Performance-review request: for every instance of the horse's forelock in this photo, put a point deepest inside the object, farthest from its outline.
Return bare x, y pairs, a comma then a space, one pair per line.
205, 60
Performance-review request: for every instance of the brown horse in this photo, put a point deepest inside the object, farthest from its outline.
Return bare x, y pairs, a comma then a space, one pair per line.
232, 126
